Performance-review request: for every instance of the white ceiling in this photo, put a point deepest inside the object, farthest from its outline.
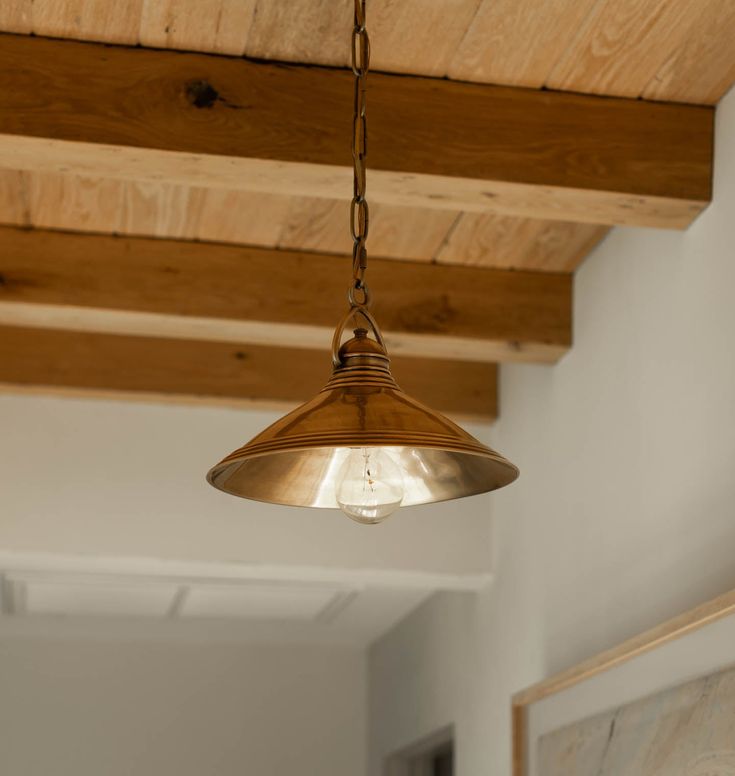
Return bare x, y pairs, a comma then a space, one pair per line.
68, 595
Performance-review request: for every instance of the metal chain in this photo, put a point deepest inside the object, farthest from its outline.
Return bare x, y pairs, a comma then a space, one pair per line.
359, 216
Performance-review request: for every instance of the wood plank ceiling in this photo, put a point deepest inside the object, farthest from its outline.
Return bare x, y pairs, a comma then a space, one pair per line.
118, 141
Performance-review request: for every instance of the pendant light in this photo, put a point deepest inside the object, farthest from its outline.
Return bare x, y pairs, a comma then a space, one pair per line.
361, 445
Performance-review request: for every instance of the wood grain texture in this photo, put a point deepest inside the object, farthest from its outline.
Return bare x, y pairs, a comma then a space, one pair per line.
702, 69
219, 292
621, 45
519, 243
511, 148
105, 205
519, 729
418, 36
295, 31
151, 209
410, 233
115, 21
220, 215
74, 203
146, 166
517, 42
395, 232
609, 44
91, 364
14, 205
407, 36
16, 16
218, 26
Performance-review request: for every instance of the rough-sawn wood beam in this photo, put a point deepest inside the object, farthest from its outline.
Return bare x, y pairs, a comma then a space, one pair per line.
88, 364
209, 120
225, 293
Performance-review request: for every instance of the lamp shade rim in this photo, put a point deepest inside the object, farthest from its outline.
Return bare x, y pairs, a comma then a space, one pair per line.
405, 505
504, 472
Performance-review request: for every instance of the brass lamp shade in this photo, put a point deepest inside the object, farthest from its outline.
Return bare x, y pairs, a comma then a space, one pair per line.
295, 460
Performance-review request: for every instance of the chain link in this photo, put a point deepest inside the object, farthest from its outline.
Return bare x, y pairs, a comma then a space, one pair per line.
359, 213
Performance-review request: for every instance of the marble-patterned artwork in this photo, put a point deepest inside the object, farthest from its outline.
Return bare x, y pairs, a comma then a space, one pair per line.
685, 731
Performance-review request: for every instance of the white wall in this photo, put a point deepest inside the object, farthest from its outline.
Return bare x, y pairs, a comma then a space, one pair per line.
624, 514
418, 681
86, 708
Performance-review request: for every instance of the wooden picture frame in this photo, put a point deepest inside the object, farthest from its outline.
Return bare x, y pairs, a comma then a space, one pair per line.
657, 638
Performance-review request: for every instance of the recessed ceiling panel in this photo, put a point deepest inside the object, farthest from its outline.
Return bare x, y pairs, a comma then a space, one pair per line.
254, 601
94, 597
155, 599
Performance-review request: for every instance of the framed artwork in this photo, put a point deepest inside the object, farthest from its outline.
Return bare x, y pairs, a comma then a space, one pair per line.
660, 704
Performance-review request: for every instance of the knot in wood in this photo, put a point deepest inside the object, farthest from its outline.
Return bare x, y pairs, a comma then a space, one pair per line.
201, 94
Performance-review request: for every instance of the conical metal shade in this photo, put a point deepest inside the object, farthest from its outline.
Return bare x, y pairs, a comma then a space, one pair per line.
295, 460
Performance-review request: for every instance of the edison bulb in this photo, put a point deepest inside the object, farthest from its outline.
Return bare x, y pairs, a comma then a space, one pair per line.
369, 485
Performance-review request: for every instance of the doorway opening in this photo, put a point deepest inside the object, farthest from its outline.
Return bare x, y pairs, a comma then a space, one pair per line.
432, 756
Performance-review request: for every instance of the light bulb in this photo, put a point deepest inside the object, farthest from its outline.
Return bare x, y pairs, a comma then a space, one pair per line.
369, 485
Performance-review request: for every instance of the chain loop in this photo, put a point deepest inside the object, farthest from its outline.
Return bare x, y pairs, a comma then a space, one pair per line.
359, 212
358, 296
359, 215
360, 47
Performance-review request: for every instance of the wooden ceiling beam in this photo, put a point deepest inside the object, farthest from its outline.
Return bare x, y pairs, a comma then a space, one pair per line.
226, 293
206, 120
88, 364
